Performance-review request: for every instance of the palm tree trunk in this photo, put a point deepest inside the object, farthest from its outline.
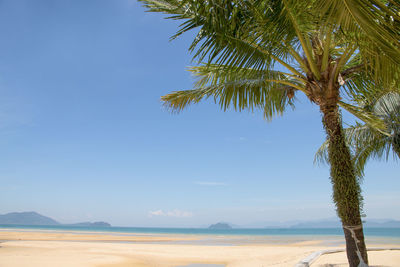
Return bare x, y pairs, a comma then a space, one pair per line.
346, 187
396, 144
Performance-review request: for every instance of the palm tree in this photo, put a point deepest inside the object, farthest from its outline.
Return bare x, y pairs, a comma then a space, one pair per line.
259, 54
367, 142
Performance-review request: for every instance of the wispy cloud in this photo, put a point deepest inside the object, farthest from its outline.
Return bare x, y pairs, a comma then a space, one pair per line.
210, 183
174, 213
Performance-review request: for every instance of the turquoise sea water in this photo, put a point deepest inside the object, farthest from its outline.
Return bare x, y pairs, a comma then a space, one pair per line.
372, 232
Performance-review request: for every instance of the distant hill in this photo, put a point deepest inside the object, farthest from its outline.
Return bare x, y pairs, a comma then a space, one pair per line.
90, 224
220, 226
26, 218
34, 218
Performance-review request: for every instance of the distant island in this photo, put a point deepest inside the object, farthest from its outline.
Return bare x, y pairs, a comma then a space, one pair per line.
26, 218
220, 226
34, 218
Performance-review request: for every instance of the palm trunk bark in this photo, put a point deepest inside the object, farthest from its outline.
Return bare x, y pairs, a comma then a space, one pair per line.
396, 145
346, 187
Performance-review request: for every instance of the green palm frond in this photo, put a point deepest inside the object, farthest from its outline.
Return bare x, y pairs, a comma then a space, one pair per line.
373, 25
240, 88
229, 31
359, 81
389, 106
214, 74
232, 32
368, 117
375, 149
321, 156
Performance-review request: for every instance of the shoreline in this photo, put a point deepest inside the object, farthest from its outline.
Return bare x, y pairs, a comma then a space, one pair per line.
227, 238
372, 231
36, 248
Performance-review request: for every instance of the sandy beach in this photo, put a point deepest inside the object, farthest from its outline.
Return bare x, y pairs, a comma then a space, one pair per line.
86, 249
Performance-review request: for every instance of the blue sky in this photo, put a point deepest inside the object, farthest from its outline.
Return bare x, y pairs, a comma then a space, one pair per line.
84, 136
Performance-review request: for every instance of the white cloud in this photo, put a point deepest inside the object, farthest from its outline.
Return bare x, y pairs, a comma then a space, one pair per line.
210, 183
156, 213
174, 213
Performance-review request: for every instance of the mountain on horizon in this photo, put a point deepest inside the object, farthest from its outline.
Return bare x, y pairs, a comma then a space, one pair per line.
220, 226
26, 218
34, 218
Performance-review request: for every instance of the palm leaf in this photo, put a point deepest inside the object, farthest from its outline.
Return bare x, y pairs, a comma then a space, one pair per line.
374, 26
240, 88
367, 117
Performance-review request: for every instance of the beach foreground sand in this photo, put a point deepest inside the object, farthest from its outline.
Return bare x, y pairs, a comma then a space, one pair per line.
47, 249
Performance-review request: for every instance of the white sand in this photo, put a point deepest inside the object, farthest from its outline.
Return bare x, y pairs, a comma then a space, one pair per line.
38, 249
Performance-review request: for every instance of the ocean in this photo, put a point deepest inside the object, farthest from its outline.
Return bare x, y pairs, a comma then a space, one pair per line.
369, 232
